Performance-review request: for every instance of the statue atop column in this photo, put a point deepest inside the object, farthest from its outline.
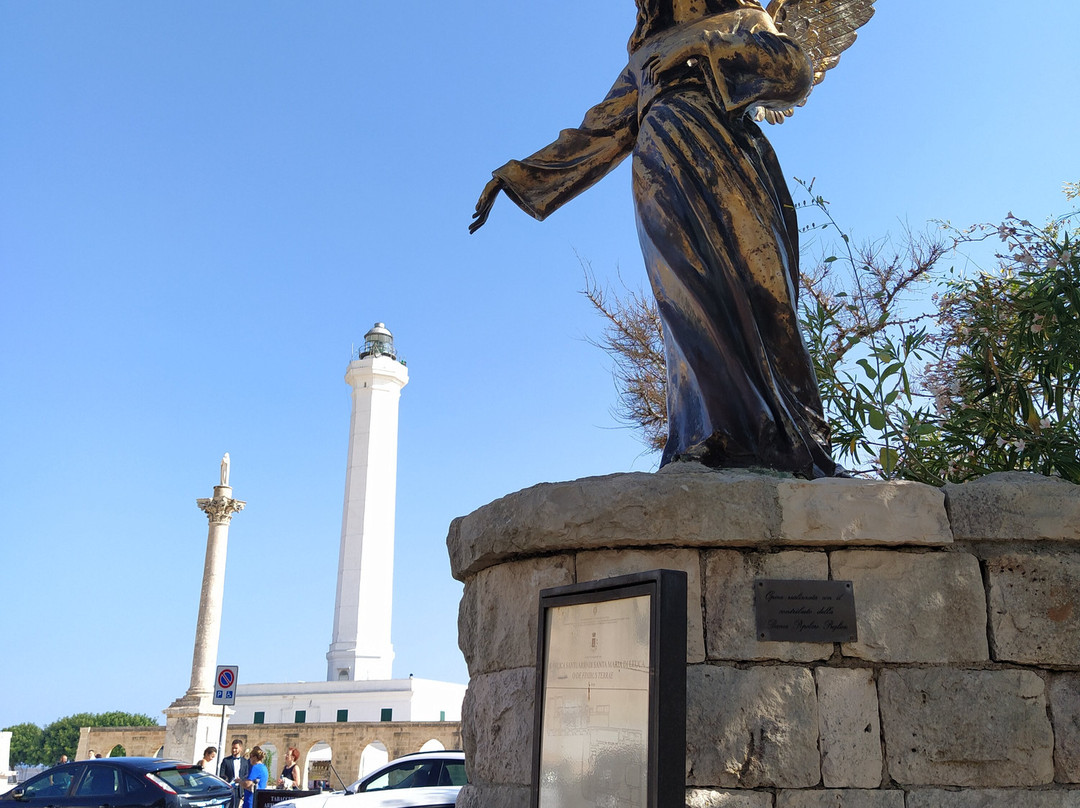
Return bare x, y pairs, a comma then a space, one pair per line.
193, 721
715, 219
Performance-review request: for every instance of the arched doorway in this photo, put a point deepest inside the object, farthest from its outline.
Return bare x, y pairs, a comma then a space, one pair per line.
271, 761
373, 756
432, 745
318, 768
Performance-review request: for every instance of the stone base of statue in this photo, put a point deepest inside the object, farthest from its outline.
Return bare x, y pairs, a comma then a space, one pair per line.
965, 674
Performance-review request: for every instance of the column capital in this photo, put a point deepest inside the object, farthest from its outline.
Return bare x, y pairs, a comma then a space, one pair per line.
221, 508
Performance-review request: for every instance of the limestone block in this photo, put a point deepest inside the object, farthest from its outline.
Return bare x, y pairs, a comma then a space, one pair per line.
1065, 711
992, 798
925, 607
840, 798
849, 727
1014, 505
497, 616
966, 728
486, 796
609, 563
729, 603
1035, 608
849, 511
497, 727
712, 798
751, 728
688, 506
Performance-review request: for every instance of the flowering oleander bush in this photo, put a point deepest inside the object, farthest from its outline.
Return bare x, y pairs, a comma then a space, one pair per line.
1007, 378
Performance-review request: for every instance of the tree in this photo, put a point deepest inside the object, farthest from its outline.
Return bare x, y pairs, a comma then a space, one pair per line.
985, 381
633, 336
61, 737
25, 744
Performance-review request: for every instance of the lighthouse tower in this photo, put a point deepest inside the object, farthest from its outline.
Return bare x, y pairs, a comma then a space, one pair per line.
360, 648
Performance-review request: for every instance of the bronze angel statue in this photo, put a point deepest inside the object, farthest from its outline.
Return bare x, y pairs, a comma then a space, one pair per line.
715, 219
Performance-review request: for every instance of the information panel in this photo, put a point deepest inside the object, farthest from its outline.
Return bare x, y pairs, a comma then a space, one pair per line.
611, 663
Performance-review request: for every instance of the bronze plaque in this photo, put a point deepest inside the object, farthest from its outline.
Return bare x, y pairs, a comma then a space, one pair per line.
805, 611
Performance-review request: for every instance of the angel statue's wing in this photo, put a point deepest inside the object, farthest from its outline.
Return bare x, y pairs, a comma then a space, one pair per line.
823, 28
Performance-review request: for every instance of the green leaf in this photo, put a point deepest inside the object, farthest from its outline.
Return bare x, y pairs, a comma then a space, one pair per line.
888, 458
876, 419
892, 369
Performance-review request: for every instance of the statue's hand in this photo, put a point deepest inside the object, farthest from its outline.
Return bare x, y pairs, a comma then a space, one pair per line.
484, 204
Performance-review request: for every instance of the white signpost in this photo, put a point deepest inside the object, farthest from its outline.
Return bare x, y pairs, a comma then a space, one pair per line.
224, 694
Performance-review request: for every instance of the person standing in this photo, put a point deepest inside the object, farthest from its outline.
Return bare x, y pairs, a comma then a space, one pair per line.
290, 772
235, 767
257, 776
208, 755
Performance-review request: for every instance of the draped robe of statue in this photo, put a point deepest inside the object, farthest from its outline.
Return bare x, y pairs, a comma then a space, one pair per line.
716, 224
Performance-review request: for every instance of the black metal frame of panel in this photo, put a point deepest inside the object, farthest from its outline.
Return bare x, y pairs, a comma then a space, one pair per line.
666, 754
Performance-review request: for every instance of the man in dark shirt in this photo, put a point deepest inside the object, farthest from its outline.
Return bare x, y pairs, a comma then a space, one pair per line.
235, 767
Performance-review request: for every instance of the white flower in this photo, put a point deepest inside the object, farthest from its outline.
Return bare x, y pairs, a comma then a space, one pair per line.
1044, 423
1000, 442
1020, 445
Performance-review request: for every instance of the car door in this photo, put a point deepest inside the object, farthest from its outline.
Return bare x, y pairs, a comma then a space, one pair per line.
101, 786
51, 789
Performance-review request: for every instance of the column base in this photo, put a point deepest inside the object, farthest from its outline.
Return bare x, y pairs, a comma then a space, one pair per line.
193, 723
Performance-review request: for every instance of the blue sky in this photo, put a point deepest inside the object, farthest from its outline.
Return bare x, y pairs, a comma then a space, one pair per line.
204, 206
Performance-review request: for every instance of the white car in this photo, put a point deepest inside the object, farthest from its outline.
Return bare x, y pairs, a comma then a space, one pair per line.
419, 780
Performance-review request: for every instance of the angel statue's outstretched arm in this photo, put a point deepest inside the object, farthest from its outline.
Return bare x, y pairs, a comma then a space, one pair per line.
572, 163
485, 203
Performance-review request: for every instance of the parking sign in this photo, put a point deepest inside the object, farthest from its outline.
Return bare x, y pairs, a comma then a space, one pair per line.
225, 685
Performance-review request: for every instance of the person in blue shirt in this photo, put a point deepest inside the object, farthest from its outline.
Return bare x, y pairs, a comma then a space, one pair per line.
256, 778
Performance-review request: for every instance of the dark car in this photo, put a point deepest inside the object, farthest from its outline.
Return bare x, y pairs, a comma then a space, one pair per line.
122, 783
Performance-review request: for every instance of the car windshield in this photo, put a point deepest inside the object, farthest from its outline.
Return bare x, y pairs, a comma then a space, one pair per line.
189, 779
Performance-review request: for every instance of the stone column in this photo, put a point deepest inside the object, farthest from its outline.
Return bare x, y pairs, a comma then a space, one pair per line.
193, 721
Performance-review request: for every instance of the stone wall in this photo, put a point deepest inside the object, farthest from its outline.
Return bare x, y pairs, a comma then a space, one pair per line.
347, 740
963, 688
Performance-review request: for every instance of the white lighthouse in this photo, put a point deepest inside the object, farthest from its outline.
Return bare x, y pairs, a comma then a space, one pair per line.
360, 648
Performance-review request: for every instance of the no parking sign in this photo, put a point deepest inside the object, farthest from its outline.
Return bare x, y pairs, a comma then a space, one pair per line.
225, 684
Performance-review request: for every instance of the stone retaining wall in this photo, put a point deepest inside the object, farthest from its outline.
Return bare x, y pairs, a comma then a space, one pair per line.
347, 740
962, 690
